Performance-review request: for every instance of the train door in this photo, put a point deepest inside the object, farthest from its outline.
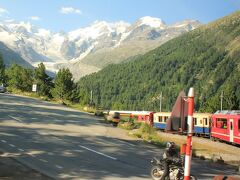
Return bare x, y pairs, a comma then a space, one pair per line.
231, 130
205, 122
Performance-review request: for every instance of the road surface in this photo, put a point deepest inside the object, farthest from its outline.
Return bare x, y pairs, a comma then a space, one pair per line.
63, 143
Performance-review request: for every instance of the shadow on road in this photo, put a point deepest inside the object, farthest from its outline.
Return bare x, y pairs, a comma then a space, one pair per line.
72, 145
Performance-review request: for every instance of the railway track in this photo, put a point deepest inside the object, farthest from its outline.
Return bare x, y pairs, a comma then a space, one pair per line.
208, 149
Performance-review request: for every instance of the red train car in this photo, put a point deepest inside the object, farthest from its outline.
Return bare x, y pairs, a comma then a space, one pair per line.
146, 117
139, 116
226, 126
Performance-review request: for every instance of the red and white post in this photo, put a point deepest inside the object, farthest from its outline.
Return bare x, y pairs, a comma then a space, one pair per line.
188, 155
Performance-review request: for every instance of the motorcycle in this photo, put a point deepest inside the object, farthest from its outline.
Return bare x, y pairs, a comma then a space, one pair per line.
175, 169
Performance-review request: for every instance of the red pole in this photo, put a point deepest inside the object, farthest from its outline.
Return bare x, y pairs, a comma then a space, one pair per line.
188, 155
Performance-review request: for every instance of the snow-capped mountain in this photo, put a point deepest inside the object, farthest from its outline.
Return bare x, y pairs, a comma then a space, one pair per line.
86, 50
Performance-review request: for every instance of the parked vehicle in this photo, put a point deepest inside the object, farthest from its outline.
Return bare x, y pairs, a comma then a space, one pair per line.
2, 89
112, 117
169, 166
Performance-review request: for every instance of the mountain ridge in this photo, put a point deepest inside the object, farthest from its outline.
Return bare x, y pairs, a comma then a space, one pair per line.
11, 57
206, 58
65, 49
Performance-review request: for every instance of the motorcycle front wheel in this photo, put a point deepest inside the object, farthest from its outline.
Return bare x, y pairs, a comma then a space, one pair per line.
157, 173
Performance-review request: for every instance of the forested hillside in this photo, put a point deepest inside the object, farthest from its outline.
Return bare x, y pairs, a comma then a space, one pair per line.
207, 59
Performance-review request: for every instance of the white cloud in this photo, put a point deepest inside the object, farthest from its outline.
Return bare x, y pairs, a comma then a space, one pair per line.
9, 20
35, 18
3, 11
70, 10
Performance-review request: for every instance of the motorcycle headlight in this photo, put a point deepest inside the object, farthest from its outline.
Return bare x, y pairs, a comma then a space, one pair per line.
164, 156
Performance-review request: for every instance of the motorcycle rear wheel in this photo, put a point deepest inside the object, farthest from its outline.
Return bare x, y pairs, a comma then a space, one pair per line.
157, 173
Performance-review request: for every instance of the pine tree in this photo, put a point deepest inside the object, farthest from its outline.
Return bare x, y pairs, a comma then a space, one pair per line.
64, 85
43, 81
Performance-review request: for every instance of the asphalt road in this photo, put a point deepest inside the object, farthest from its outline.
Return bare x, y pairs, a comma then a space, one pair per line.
67, 144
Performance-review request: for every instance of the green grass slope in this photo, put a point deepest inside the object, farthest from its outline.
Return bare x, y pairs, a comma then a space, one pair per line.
207, 59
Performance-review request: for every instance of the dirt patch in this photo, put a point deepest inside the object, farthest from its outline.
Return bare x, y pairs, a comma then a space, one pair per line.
10, 169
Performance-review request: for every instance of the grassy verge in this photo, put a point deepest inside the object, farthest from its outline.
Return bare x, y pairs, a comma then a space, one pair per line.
143, 131
29, 94
65, 102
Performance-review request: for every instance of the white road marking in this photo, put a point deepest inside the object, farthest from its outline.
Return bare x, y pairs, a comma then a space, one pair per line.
20, 149
58, 138
31, 155
15, 118
12, 145
133, 145
43, 160
91, 171
3, 141
84, 147
59, 167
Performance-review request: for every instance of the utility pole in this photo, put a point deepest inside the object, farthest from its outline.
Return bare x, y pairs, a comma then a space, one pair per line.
160, 102
91, 101
221, 100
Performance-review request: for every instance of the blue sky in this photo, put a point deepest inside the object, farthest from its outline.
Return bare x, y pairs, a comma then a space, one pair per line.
66, 15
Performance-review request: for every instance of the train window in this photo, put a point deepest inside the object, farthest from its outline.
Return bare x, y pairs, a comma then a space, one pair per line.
195, 120
160, 119
205, 120
165, 118
221, 123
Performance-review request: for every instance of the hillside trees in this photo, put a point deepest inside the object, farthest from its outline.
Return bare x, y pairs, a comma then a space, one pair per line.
64, 85
43, 81
2, 71
206, 59
19, 78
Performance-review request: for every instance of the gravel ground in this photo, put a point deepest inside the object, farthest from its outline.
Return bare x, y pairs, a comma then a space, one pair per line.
205, 148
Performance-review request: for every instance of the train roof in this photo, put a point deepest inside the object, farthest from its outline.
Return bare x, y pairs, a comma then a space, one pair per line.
131, 112
228, 112
195, 113
201, 114
163, 113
